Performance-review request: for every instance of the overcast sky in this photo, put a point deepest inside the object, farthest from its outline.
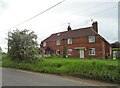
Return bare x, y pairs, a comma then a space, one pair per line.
76, 12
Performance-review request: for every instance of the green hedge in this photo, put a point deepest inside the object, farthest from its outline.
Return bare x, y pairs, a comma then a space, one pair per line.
116, 49
106, 70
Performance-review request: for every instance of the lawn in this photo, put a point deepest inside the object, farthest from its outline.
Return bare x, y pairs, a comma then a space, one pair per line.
106, 70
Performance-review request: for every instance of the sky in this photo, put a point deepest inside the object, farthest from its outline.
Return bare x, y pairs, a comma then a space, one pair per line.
78, 13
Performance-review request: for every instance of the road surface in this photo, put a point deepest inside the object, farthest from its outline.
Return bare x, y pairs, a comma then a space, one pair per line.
14, 77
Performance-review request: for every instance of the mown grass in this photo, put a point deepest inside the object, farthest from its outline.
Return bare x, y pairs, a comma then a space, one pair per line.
106, 70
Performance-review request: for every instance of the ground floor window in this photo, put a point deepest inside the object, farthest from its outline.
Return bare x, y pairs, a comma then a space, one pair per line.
69, 52
58, 52
92, 51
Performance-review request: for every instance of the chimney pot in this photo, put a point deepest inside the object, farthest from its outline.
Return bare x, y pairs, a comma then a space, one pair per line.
69, 28
95, 26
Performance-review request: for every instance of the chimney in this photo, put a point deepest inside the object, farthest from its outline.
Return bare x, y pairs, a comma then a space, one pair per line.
69, 28
95, 26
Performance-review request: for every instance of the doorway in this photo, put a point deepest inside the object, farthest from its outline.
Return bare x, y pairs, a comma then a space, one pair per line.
81, 53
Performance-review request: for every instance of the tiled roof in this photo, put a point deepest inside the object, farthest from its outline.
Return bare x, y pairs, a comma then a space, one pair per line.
71, 34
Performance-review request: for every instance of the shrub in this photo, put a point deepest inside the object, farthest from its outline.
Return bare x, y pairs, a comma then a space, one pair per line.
64, 52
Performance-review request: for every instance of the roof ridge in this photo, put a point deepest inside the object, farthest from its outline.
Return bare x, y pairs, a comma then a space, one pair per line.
73, 30
72, 33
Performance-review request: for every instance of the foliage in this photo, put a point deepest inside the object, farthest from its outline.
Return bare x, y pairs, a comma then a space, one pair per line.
116, 45
0, 49
37, 50
0, 53
106, 70
116, 49
4, 56
21, 45
64, 52
117, 54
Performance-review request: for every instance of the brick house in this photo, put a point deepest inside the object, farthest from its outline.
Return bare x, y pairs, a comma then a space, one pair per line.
82, 43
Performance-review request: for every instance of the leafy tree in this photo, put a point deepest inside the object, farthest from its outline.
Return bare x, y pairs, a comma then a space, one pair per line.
64, 51
0, 53
116, 45
37, 50
22, 45
0, 49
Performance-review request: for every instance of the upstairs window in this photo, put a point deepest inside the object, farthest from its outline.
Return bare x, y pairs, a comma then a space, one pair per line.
58, 42
69, 52
91, 39
69, 41
44, 44
92, 51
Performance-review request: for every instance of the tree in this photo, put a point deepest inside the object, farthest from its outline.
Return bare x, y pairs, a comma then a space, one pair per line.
0, 49
64, 51
37, 50
22, 45
0, 53
116, 45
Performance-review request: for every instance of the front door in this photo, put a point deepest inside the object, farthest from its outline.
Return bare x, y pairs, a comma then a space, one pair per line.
81, 53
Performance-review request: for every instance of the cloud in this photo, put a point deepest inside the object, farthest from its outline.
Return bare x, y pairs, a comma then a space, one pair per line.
77, 12
3, 6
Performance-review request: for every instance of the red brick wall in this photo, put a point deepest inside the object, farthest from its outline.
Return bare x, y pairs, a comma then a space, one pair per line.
99, 45
108, 50
98, 48
103, 49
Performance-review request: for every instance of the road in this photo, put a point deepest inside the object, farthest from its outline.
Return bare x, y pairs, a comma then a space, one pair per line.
14, 77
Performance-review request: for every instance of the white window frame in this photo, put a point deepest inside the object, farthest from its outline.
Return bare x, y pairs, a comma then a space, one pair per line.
92, 51
57, 52
69, 41
58, 42
91, 39
69, 52
44, 44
